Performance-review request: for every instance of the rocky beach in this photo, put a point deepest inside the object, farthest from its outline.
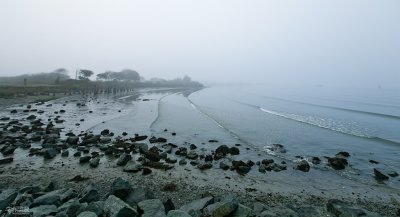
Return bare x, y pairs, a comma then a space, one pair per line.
116, 155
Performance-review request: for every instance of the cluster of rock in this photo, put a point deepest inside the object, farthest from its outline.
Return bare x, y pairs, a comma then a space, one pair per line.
124, 199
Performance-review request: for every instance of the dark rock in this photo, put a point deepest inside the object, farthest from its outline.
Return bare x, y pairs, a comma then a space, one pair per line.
275, 167
373, 162
303, 166
49, 153
146, 171
72, 140
77, 154
192, 155
120, 188
89, 193
116, 207
182, 151
104, 140
140, 138
8, 150
234, 151
204, 166
241, 167
171, 161
14, 111
212, 141
65, 153
223, 150
6, 160
78, 178
393, 174
379, 176
85, 159
343, 154
182, 162
193, 147
315, 160
94, 162
124, 134
153, 154
31, 117
277, 148
168, 205
151, 208
123, 159
267, 161
105, 132
337, 163
208, 158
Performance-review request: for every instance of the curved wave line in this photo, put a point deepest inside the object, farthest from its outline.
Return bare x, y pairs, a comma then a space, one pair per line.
337, 108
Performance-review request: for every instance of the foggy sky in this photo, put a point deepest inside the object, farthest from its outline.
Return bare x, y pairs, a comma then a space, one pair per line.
355, 43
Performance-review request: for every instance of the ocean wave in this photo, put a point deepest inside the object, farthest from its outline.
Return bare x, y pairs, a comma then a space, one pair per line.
339, 108
326, 123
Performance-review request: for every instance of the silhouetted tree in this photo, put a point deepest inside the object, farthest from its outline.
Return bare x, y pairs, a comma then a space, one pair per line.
85, 74
129, 75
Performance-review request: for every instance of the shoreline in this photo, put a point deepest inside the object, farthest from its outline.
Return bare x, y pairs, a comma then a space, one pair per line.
65, 168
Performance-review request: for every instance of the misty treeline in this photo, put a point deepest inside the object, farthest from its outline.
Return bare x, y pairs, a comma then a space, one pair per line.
61, 75
59, 81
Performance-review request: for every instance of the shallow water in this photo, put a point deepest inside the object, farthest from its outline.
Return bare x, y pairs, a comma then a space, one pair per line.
307, 125
314, 123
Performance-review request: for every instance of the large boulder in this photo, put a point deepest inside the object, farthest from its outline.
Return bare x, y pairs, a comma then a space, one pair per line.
51, 198
225, 207
115, 207
97, 207
123, 159
70, 207
195, 208
120, 188
89, 193
139, 194
7, 197
152, 208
